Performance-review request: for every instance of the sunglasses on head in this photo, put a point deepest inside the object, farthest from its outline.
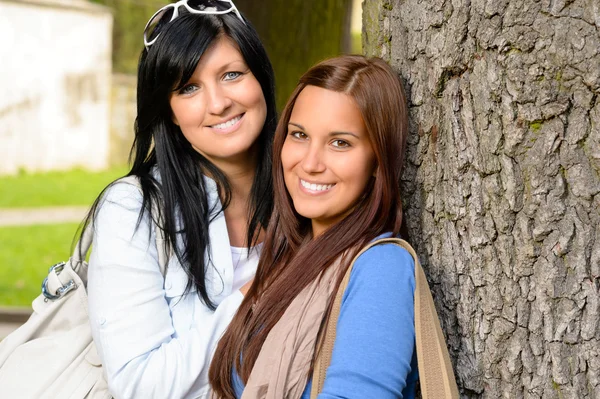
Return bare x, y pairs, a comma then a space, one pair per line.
171, 11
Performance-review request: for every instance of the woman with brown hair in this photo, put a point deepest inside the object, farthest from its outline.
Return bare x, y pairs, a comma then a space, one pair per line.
338, 155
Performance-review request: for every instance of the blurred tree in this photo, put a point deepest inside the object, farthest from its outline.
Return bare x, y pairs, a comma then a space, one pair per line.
299, 33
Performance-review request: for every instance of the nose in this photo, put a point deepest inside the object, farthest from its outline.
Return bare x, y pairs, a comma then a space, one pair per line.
313, 161
218, 100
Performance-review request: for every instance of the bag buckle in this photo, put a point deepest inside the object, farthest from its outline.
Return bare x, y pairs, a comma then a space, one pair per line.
61, 291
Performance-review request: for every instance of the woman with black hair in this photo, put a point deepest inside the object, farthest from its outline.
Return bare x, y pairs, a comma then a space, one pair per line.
202, 156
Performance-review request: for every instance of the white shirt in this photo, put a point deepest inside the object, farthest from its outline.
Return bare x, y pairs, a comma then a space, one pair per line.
153, 341
244, 264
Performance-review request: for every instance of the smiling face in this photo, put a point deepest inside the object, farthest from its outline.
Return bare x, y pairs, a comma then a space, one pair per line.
327, 157
221, 110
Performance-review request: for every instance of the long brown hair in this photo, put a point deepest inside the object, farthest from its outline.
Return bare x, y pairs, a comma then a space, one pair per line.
291, 259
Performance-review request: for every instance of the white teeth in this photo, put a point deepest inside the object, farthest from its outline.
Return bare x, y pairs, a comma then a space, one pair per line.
316, 187
227, 124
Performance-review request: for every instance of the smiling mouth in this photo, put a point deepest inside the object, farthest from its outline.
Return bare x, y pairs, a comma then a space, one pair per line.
225, 125
316, 187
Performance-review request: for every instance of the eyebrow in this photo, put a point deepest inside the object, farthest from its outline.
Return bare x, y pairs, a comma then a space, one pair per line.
335, 133
228, 65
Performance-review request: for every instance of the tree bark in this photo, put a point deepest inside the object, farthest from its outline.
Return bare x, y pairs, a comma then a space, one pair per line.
502, 183
297, 34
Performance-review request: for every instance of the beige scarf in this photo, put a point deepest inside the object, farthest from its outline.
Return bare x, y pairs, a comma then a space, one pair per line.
281, 369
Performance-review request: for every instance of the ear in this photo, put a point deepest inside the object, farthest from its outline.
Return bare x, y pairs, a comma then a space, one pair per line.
174, 119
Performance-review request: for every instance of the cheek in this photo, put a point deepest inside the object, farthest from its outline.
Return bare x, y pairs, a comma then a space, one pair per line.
286, 158
360, 175
255, 96
262, 110
188, 112
174, 112
290, 157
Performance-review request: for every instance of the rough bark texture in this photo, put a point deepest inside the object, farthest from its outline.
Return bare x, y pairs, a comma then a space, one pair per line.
298, 34
502, 183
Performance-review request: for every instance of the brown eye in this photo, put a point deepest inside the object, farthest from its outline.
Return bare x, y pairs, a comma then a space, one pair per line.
340, 143
299, 135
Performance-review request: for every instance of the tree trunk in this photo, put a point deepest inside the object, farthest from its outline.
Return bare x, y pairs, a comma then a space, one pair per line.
298, 34
502, 183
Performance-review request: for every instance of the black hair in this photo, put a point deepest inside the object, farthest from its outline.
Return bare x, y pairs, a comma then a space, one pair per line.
159, 144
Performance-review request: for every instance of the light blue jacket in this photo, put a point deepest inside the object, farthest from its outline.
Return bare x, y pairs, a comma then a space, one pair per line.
154, 342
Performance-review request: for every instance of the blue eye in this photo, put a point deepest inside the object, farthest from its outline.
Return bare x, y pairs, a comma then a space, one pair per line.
188, 89
231, 75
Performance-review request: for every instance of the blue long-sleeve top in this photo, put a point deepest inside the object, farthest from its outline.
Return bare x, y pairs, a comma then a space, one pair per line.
374, 350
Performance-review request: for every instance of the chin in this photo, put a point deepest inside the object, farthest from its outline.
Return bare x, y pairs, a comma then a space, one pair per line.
237, 150
302, 211
308, 213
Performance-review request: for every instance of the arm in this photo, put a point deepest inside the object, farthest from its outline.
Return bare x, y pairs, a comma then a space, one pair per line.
142, 354
375, 338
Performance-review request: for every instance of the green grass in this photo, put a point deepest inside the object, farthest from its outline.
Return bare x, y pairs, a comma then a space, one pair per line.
26, 254
74, 187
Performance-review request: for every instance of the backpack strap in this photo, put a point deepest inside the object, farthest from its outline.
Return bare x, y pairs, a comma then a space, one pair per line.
435, 369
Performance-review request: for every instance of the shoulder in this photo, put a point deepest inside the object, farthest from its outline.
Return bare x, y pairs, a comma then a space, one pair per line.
124, 193
387, 259
383, 270
382, 278
119, 217
120, 205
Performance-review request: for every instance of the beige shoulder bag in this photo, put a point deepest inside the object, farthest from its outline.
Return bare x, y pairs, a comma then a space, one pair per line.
436, 377
53, 354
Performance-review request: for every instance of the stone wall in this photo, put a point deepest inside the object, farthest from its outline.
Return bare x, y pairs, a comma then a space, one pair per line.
55, 77
122, 117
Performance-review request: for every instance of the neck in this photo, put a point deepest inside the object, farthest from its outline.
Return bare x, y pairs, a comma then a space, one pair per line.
241, 184
317, 229
240, 176
239, 172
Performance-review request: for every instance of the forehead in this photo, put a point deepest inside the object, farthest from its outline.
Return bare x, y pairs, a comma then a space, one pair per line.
222, 51
323, 110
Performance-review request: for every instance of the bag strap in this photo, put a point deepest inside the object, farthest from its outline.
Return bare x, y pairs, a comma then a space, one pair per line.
84, 244
436, 376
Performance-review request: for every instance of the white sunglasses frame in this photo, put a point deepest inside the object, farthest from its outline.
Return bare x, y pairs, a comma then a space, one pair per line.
184, 3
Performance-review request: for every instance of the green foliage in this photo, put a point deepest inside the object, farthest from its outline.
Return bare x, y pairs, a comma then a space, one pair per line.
75, 187
356, 43
130, 18
26, 253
